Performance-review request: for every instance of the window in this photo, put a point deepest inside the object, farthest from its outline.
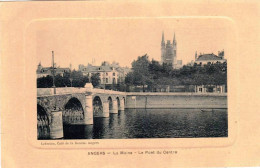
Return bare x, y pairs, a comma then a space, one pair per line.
200, 89
106, 74
114, 80
210, 89
114, 74
106, 80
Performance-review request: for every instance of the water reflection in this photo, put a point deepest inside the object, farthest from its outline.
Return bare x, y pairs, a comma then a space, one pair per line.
43, 129
100, 127
78, 131
153, 123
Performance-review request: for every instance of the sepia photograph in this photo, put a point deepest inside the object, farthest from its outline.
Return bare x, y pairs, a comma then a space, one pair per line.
105, 84
131, 78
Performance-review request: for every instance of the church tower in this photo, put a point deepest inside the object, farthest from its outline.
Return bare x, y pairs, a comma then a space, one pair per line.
162, 48
174, 45
168, 51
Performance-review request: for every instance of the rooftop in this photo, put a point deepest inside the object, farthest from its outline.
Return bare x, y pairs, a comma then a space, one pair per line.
205, 57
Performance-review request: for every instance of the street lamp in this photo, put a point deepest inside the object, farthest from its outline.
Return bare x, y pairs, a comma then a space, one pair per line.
53, 73
71, 81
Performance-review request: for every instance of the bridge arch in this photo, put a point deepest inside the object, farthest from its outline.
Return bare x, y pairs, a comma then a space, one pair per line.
124, 101
110, 102
73, 112
118, 102
97, 106
43, 123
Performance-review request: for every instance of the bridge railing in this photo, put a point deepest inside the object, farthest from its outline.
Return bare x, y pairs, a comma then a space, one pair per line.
103, 91
59, 91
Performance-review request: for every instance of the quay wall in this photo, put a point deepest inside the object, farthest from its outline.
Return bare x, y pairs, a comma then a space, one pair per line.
152, 99
176, 100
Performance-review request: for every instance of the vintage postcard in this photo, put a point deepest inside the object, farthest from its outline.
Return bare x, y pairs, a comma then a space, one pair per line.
94, 81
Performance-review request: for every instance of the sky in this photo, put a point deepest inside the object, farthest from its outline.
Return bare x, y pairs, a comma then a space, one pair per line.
80, 41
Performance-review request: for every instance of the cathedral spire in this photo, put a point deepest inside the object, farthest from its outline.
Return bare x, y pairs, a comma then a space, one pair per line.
163, 38
174, 37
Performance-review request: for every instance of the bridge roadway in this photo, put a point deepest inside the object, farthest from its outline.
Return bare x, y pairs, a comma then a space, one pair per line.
74, 106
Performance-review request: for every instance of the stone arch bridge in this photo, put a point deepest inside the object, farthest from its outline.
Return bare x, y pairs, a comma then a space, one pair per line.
74, 106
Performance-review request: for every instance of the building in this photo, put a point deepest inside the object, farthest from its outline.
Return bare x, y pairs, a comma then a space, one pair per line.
109, 73
210, 88
169, 53
45, 71
178, 65
210, 58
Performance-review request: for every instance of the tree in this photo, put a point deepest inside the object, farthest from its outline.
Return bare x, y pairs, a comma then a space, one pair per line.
78, 80
61, 81
95, 79
129, 78
155, 69
153, 74
141, 74
44, 82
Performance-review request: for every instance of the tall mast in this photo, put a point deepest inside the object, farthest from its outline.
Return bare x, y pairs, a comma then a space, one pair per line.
53, 72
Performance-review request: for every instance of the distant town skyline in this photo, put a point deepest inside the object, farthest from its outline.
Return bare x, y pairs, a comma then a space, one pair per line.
123, 40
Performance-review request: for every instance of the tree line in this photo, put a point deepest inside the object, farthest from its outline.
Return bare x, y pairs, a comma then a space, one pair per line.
68, 79
149, 74
153, 74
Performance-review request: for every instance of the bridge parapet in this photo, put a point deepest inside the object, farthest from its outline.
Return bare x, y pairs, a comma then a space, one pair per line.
59, 91
108, 92
70, 90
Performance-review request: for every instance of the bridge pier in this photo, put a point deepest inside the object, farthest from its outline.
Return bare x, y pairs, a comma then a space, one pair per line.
105, 109
122, 105
56, 125
114, 107
88, 113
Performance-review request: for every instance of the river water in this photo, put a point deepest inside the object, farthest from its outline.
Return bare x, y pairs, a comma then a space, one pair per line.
154, 123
